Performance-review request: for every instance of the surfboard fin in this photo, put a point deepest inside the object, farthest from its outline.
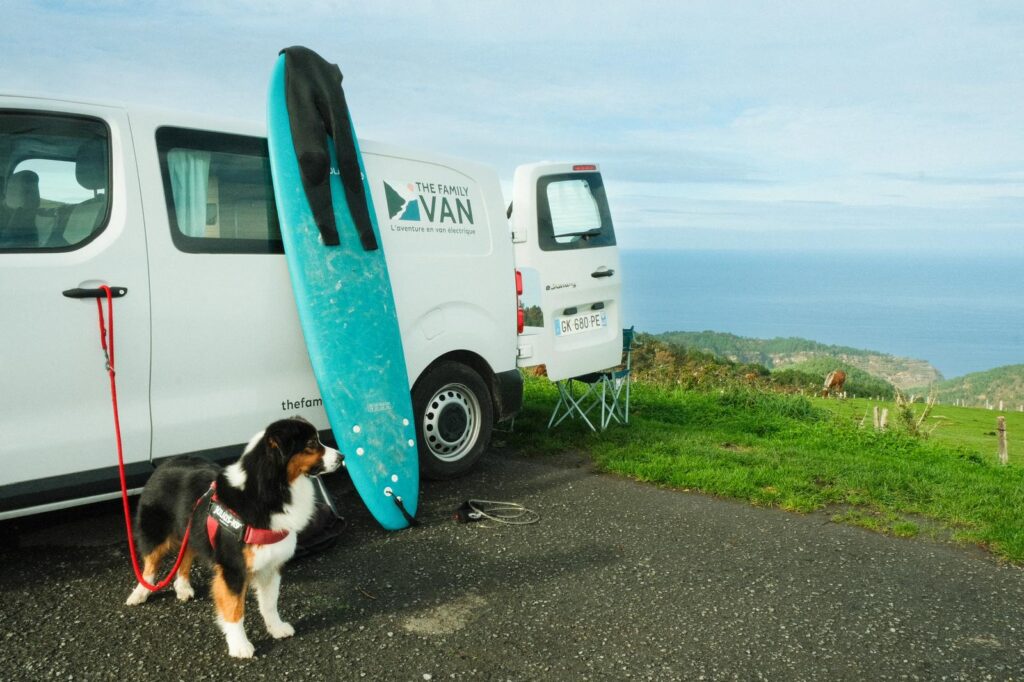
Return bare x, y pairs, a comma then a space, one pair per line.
317, 110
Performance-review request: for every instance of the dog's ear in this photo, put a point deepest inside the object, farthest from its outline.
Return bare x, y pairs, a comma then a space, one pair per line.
276, 444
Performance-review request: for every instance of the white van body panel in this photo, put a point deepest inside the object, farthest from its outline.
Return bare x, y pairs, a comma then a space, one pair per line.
454, 280
228, 353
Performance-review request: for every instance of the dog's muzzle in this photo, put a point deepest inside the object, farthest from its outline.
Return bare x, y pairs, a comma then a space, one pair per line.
332, 460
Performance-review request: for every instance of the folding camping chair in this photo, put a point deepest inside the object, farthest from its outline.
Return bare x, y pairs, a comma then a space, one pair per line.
609, 389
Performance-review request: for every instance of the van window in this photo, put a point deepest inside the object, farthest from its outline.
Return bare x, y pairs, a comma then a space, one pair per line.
54, 180
572, 212
218, 192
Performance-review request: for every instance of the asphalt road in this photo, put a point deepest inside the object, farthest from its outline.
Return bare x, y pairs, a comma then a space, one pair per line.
617, 581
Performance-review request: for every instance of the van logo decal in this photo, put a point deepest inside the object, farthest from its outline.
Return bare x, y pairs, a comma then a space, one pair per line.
439, 205
401, 205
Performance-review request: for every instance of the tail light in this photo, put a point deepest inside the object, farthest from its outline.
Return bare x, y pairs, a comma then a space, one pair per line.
520, 313
585, 167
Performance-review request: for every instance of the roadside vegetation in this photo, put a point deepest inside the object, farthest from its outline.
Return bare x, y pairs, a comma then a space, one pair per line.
702, 424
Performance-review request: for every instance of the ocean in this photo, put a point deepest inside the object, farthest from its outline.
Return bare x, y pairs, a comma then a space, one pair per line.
961, 313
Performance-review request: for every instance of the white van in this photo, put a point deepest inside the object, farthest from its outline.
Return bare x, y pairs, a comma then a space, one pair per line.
178, 211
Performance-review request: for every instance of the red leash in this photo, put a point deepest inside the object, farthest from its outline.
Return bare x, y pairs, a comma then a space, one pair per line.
107, 342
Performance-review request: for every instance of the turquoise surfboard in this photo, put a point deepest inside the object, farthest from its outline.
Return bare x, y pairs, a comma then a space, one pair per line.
341, 284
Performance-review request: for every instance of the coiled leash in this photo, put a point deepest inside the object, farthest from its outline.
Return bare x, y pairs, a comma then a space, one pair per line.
508, 513
107, 343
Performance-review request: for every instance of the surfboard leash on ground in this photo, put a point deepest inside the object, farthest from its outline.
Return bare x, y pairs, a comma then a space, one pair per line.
508, 513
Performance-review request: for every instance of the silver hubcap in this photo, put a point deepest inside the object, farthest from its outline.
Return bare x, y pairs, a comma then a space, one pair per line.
451, 422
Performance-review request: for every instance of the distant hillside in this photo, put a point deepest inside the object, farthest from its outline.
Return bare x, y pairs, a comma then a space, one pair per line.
782, 353
669, 364
984, 388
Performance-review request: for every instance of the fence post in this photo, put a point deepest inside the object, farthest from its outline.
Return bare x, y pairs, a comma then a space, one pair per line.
884, 422
877, 426
1001, 428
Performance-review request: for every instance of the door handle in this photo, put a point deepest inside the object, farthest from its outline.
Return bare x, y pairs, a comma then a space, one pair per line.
602, 273
115, 292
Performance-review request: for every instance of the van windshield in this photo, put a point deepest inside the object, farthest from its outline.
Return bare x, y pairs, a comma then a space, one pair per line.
572, 212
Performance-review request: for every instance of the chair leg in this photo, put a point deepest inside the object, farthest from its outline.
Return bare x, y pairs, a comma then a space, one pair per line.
562, 404
607, 411
628, 381
569, 405
616, 400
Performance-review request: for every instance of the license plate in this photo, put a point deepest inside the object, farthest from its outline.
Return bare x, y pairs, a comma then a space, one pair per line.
581, 323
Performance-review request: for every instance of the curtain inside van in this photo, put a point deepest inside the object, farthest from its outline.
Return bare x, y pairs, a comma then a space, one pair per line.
190, 180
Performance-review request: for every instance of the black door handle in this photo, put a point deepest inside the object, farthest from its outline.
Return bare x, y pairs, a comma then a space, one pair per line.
115, 292
602, 273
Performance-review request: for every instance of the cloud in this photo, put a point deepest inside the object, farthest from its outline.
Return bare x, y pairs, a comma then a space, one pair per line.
791, 117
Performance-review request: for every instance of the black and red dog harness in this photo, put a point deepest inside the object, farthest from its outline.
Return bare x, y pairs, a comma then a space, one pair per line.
222, 516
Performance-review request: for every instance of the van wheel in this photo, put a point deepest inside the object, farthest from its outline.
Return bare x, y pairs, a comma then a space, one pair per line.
453, 419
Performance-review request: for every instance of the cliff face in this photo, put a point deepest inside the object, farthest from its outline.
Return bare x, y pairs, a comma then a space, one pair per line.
903, 373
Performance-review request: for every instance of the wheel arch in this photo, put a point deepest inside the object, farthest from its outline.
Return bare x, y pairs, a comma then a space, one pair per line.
483, 369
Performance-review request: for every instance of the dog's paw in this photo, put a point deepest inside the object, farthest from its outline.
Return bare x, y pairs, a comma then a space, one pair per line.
183, 589
239, 645
243, 649
138, 596
280, 630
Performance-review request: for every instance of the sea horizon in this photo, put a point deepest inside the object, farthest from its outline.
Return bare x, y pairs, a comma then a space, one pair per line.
961, 313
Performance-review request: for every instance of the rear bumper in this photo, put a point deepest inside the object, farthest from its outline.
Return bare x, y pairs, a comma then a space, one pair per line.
508, 394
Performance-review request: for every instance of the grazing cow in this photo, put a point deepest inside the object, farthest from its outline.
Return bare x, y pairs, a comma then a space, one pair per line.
833, 383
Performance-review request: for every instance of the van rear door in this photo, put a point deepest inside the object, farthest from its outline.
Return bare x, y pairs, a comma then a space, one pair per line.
571, 280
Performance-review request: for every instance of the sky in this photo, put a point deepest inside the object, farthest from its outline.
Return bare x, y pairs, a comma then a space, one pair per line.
856, 126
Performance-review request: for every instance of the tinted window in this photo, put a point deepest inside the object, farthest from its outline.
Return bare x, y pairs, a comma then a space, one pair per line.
218, 191
54, 180
572, 212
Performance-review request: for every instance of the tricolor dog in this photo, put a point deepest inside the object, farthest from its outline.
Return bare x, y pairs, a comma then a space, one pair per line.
245, 519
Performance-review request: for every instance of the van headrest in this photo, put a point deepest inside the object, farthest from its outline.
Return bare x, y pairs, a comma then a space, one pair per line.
22, 191
91, 165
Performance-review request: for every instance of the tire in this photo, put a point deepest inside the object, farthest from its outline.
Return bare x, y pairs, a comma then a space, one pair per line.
454, 416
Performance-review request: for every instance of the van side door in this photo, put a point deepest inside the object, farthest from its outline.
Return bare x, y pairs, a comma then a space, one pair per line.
569, 263
71, 218
228, 352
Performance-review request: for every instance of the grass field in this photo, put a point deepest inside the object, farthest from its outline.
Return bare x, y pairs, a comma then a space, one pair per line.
956, 426
805, 454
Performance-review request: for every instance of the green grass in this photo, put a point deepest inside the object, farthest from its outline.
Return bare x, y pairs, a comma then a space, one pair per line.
973, 428
804, 455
